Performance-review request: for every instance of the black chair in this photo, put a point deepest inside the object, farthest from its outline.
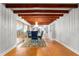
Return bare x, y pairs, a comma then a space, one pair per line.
29, 34
34, 35
41, 35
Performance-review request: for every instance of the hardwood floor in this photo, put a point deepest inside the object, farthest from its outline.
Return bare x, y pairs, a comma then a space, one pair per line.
53, 48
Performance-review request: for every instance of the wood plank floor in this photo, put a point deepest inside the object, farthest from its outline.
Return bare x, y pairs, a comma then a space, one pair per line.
53, 48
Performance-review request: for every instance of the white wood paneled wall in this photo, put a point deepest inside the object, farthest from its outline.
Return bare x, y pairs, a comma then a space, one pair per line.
67, 30
7, 29
51, 31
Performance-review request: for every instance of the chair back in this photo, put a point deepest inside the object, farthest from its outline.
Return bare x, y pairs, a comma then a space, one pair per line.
34, 35
41, 35
29, 34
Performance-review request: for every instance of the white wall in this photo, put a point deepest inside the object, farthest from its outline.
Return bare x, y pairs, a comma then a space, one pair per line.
7, 29
51, 31
67, 30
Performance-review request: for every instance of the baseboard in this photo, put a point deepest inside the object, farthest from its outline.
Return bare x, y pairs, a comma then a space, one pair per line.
67, 47
8, 50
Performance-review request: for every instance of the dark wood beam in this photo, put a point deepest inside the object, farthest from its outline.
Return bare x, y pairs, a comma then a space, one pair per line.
40, 14
41, 5
40, 11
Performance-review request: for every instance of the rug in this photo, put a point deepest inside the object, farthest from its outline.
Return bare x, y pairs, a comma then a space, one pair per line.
34, 43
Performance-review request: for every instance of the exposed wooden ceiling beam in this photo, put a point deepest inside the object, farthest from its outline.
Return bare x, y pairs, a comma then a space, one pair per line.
41, 5
40, 14
41, 11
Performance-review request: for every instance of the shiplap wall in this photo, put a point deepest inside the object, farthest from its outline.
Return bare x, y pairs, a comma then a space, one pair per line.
51, 31
67, 30
7, 29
